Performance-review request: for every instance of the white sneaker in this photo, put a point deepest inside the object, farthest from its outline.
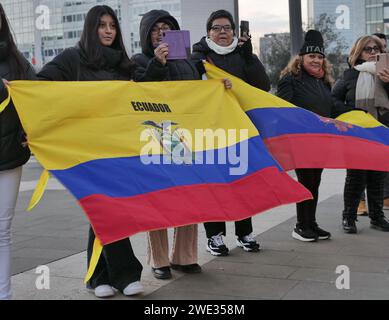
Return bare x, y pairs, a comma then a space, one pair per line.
104, 291
133, 289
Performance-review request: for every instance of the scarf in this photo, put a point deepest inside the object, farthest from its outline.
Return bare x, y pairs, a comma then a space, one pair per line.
371, 95
222, 50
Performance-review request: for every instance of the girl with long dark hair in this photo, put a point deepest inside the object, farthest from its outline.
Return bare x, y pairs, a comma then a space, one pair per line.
100, 55
14, 152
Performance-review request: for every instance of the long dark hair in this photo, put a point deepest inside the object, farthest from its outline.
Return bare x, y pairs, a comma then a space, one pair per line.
90, 42
14, 57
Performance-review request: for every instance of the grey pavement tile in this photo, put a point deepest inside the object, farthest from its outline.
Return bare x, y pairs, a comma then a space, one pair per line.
265, 256
314, 275
238, 286
249, 269
73, 244
22, 264
325, 291
355, 263
51, 254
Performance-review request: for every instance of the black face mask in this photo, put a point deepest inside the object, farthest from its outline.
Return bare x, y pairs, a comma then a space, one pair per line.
3, 50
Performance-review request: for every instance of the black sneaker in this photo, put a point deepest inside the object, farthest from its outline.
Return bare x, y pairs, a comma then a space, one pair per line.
304, 234
382, 224
248, 243
162, 273
322, 234
349, 226
216, 246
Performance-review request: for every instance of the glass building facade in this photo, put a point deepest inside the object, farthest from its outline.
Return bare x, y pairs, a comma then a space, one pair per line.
44, 28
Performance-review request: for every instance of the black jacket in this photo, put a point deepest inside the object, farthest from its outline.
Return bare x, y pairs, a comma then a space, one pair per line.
251, 70
12, 154
305, 91
148, 68
72, 65
344, 91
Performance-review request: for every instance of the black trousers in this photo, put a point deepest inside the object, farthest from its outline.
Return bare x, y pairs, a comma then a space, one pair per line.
117, 265
242, 228
306, 211
356, 181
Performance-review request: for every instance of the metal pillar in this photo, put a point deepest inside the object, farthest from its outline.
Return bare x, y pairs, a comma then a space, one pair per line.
296, 26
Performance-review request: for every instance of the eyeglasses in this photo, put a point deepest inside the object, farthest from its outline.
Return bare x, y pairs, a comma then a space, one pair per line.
217, 28
371, 49
157, 30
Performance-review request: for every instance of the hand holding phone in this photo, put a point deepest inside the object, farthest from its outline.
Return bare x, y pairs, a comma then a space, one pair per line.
244, 28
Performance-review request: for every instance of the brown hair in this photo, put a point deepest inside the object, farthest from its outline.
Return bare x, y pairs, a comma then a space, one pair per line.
358, 47
294, 67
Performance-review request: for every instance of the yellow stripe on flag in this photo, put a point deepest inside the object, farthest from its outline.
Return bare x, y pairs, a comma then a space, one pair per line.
39, 190
5, 103
97, 249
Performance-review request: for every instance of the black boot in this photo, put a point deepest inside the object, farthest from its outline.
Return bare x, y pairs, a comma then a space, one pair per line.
382, 224
375, 195
349, 225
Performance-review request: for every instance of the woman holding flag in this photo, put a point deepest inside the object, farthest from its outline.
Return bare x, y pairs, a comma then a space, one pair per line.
14, 152
306, 82
100, 55
357, 89
222, 48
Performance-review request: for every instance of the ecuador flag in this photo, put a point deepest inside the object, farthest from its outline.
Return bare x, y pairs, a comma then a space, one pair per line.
300, 139
147, 156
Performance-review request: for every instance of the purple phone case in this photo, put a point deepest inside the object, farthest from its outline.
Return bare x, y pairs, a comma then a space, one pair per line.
178, 42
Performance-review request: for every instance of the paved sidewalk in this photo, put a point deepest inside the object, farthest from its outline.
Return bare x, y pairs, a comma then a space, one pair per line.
55, 233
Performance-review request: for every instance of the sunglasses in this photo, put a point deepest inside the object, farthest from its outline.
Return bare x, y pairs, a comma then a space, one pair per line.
371, 49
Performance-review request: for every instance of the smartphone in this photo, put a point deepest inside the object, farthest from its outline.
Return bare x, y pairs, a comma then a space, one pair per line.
244, 28
178, 42
382, 62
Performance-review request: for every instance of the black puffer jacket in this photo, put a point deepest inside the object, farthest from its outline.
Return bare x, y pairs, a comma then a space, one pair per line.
12, 154
252, 71
307, 92
148, 68
344, 93
72, 65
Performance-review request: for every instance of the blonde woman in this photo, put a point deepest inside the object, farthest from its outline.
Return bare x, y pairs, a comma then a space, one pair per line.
306, 82
357, 89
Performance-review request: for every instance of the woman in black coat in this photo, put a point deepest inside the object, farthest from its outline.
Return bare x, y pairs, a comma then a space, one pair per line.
100, 55
347, 98
223, 49
14, 152
306, 82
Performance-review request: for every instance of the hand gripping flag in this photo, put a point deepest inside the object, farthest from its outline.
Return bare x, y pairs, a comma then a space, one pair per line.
141, 156
299, 139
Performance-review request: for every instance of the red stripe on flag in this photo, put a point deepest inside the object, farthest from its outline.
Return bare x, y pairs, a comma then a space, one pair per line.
117, 218
303, 151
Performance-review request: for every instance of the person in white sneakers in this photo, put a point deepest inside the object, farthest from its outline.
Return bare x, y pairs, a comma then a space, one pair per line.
100, 55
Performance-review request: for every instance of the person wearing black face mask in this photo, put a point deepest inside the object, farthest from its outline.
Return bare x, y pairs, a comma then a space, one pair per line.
14, 152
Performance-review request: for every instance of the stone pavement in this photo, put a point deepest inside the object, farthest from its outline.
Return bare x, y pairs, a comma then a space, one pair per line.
55, 233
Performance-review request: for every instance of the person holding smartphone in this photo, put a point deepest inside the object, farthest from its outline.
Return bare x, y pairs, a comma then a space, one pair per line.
357, 89
222, 48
